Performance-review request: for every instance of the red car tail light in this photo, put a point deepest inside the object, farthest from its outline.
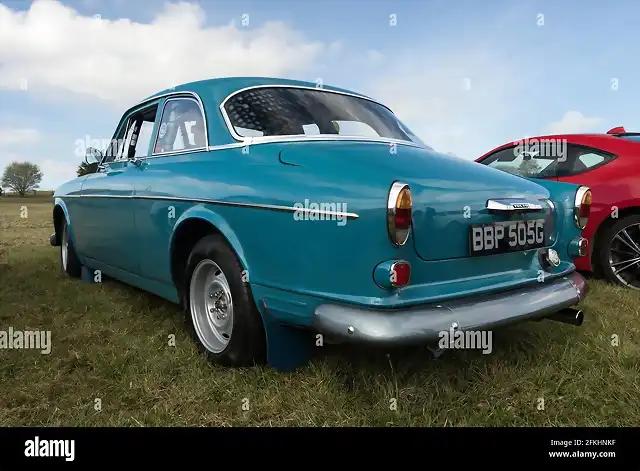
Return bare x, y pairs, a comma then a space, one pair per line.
399, 207
400, 274
582, 207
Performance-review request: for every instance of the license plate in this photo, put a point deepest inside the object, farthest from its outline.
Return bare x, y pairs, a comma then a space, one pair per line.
506, 236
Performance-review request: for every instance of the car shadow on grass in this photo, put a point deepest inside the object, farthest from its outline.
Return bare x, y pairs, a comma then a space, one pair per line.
510, 346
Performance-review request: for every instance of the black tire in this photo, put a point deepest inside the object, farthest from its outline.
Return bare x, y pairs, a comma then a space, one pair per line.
608, 248
247, 343
73, 267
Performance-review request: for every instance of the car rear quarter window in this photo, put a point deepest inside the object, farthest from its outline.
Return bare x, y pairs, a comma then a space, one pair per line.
182, 126
581, 159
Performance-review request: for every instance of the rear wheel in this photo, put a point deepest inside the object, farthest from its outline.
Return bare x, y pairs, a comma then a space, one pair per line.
224, 321
69, 262
618, 256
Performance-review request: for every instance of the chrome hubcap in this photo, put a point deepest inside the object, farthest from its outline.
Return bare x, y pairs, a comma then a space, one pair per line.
624, 256
211, 306
64, 248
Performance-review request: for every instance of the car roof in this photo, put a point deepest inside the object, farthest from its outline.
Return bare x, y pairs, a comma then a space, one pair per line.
219, 88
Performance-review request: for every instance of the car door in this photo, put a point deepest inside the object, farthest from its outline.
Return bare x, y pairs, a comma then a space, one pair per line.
523, 163
177, 169
109, 234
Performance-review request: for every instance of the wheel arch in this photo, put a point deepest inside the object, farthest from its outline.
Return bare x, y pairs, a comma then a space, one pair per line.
193, 225
60, 215
609, 222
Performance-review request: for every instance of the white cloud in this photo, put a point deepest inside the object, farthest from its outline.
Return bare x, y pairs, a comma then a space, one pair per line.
11, 136
575, 122
454, 98
52, 46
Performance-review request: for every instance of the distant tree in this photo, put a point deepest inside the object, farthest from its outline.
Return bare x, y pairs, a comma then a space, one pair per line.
528, 168
21, 177
1, 191
85, 168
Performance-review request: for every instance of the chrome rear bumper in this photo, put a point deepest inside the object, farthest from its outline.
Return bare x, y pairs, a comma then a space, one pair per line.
423, 324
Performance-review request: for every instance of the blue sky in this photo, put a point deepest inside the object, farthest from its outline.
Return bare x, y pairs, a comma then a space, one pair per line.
465, 75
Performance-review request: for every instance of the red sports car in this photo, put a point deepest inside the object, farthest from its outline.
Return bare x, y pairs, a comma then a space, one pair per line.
609, 164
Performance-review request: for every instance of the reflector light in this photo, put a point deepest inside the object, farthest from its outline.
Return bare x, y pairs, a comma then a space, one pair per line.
400, 274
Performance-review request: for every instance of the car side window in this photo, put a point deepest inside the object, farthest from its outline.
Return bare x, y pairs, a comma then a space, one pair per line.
116, 145
523, 164
582, 159
182, 127
144, 131
122, 155
134, 138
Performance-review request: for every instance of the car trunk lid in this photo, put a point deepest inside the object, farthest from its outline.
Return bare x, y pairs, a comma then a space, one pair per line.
449, 194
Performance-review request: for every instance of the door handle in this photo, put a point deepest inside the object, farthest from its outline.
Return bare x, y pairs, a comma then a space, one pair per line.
136, 162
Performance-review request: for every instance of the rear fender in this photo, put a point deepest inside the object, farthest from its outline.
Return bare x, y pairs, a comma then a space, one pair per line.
562, 195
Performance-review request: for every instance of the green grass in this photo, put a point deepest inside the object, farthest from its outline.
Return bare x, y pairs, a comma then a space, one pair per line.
110, 342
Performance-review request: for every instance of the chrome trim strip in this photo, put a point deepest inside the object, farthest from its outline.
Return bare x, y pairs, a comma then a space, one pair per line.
238, 137
514, 205
195, 97
252, 141
235, 145
271, 207
551, 204
394, 192
164, 95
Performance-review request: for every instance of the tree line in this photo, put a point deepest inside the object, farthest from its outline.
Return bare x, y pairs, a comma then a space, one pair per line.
25, 177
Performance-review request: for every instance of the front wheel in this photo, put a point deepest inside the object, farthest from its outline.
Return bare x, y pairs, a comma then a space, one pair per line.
69, 262
618, 256
224, 321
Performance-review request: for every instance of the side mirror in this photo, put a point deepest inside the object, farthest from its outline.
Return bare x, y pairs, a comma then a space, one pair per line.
93, 155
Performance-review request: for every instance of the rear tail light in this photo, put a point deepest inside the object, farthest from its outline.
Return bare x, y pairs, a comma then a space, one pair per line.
582, 207
399, 207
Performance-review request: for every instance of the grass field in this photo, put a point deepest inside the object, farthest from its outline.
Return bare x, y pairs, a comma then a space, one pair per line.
110, 342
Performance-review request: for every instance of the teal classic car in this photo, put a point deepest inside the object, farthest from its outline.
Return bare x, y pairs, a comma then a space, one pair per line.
282, 215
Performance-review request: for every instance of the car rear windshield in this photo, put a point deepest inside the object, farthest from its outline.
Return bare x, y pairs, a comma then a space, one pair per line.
284, 111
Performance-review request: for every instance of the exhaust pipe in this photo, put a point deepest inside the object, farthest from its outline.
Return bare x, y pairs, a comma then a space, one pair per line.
568, 316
